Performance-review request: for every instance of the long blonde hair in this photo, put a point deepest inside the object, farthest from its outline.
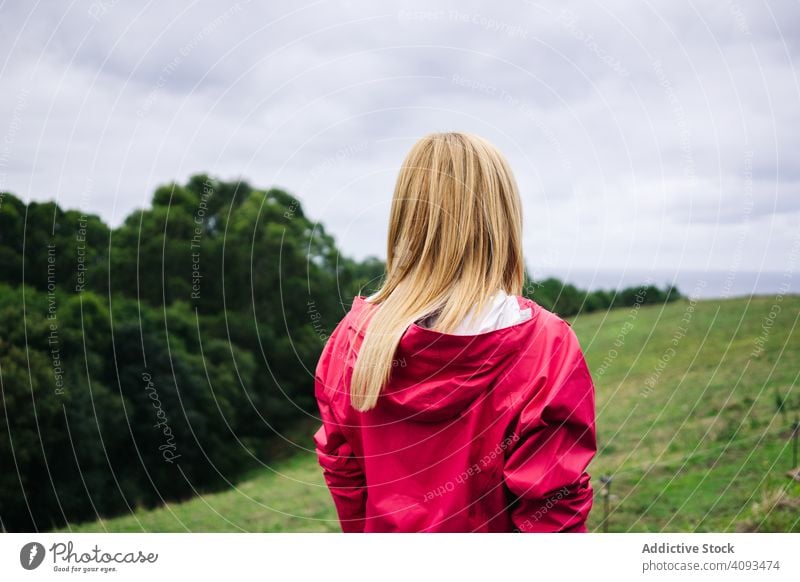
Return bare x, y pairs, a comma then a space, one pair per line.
455, 239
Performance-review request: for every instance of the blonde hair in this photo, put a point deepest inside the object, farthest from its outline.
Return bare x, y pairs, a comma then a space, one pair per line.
455, 239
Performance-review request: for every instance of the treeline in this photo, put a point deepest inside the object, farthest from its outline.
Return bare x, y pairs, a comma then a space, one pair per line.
162, 358
567, 300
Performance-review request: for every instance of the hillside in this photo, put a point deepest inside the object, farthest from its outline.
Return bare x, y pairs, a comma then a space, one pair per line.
695, 403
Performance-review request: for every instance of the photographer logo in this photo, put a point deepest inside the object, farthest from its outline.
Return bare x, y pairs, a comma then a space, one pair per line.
31, 555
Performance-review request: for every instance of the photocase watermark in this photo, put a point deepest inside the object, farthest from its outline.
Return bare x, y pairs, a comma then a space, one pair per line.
80, 254
747, 211
339, 156
569, 19
53, 341
168, 448
318, 170
739, 18
476, 85
99, 8
545, 263
683, 327
403, 257
525, 110
197, 236
545, 508
685, 135
476, 468
292, 209
65, 558
80, 240
486, 22
10, 139
449, 486
346, 352
766, 327
169, 69
769, 320
31, 555
619, 341
316, 320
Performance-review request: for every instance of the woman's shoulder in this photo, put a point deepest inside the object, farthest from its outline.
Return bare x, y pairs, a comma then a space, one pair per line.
350, 326
549, 325
361, 310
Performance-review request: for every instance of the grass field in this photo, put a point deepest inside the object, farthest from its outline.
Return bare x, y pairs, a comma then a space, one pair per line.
695, 403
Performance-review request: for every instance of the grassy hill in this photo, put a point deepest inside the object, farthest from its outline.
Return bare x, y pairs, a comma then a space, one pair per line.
695, 403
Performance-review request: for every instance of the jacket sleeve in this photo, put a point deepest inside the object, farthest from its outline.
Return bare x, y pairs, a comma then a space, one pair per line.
545, 470
341, 468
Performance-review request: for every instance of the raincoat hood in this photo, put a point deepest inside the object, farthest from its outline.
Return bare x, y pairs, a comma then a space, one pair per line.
436, 376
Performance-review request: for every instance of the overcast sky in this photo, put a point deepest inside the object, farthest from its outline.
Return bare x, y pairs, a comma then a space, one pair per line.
642, 134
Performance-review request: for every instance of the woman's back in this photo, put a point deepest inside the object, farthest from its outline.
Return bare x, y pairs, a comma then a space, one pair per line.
433, 419
484, 432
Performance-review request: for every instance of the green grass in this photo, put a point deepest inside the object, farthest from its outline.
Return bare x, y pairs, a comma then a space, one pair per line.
700, 445
704, 448
290, 497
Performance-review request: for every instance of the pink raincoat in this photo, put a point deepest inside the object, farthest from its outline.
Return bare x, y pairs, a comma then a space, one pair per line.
482, 433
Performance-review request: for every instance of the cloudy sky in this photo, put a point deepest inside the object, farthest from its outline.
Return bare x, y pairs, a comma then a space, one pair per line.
643, 135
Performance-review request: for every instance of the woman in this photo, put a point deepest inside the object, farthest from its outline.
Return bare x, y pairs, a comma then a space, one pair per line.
449, 402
